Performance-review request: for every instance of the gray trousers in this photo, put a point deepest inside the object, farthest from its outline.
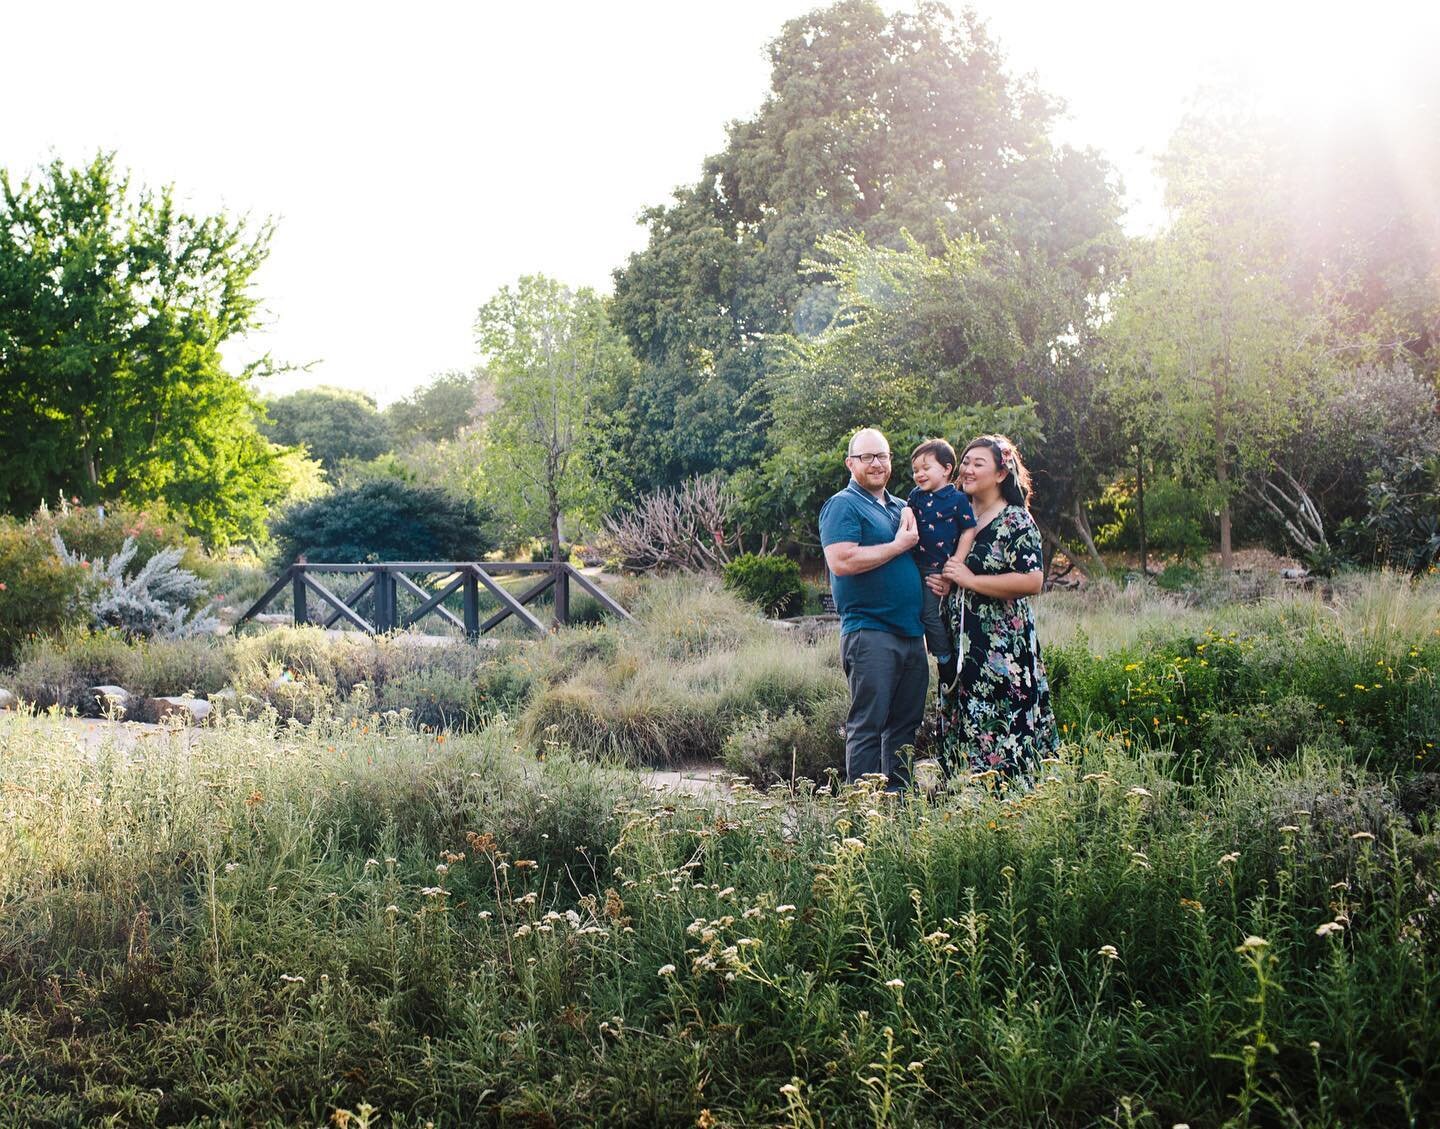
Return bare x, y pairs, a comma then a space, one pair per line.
889, 678
938, 640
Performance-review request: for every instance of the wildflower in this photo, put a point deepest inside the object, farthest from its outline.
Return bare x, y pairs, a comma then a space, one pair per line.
371, 862
525, 864
853, 844
442, 870
231, 867
1228, 859
288, 979
725, 893
753, 911
895, 983
1253, 943
433, 891
1109, 952
785, 909
1289, 829
1143, 793
1328, 928
523, 931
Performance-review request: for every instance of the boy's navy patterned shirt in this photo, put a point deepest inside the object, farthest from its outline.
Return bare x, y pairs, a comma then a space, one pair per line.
941, 516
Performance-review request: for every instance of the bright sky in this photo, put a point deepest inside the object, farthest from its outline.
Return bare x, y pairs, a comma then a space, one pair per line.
416, 158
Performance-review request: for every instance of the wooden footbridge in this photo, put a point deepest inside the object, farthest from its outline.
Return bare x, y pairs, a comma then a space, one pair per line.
388, 599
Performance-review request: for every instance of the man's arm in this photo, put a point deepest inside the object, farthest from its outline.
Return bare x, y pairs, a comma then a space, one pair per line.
847, 558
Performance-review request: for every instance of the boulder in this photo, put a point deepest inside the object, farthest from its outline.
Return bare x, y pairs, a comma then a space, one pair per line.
107, 701
189, 711
7, 699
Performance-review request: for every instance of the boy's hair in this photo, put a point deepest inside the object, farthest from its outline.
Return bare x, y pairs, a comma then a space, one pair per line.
939, 450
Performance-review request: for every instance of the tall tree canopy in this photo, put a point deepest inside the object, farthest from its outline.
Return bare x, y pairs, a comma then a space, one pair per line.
114, 304
873, 123
440, 410
550, 350
333, 423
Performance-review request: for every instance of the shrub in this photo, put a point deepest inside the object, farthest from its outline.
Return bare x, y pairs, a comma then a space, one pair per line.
773, 583
93, 532
58, 671
791, 746
153, 600
385, 519
39, 593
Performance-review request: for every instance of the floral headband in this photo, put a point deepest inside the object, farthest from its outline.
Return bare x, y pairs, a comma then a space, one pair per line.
1001, 446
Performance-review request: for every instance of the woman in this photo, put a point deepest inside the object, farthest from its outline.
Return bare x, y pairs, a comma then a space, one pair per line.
998, 717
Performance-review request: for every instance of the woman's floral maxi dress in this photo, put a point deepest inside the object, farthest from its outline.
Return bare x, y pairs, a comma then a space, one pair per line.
1000, 717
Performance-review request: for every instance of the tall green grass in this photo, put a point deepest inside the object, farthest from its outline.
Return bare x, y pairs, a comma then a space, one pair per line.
267, 930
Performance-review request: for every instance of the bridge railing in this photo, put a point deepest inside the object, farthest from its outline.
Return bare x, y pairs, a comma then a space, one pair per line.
385, 581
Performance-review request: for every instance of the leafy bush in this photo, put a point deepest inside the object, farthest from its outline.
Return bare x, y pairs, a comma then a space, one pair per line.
39, 593
1361, 674
384, 520
772, 582
790, 746
95, 532
154, 600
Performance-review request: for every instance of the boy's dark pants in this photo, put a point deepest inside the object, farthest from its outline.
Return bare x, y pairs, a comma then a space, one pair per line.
937, 632
938, 640
888, 677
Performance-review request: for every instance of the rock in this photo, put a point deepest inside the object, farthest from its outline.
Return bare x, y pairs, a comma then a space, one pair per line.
107, 701
7, 699
190, 711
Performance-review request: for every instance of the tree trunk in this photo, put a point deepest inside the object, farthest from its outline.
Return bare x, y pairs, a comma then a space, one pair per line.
1140, 504
1222, 476
1054, 545
1082, 527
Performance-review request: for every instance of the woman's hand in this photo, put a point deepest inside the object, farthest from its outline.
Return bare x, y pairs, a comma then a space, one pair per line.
956, 572
938, 584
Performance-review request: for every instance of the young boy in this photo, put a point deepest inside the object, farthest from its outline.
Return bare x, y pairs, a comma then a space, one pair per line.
947, 525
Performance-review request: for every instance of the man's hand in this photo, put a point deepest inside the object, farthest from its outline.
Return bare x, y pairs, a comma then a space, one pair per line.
847, 558
908, 535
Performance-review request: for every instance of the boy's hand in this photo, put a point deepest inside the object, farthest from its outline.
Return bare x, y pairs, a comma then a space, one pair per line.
908, 535
938, 584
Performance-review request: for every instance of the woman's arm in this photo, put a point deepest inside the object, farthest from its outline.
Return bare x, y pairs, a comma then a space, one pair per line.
1002, 586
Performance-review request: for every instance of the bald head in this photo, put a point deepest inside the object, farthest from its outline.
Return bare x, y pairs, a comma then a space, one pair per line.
866, 439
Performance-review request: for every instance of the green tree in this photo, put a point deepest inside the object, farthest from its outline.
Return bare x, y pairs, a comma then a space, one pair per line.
440, 410
974, 338
333, 424
550, 351
1212, 348
114, 305
875, 124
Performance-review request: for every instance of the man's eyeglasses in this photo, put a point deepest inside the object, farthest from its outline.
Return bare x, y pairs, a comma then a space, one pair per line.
871, 457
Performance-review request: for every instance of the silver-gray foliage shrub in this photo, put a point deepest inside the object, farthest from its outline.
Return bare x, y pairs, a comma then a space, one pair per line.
153, 602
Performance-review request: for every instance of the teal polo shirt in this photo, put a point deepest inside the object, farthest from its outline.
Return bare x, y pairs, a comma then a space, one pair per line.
885, 598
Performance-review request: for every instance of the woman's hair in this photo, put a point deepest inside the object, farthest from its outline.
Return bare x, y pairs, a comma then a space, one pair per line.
1015, 486
940, 451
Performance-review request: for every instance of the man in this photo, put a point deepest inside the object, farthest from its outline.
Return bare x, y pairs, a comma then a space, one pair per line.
867, 534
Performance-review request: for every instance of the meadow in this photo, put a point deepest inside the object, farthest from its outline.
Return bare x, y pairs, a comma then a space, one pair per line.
1219, 906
